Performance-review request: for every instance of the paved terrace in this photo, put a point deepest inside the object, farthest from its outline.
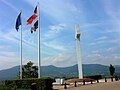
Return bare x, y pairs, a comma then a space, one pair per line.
102, 85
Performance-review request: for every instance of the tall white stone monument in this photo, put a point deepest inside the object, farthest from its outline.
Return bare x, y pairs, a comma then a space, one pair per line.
78, 50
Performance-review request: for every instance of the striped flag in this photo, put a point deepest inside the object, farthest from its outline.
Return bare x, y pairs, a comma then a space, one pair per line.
33, 17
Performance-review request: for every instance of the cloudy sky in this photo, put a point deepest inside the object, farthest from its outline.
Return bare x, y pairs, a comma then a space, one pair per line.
99, 22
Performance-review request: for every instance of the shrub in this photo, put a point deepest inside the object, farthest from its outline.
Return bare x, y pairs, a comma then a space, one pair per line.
95, 77
2, 87
41, 84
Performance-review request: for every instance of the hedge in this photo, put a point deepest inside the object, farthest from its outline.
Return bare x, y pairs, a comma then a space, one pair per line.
41, 84
95, 77
3, 87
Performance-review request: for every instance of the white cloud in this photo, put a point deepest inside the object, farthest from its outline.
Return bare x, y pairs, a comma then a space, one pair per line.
101, 38
9, 49
69, 59
113, 12
58, 27
14, 37
10, 5
95, 51
8, 59
32, 2
55, 45
98, 58
59, 10
50, 38
110, 49
7, 53
4, 46
61, 60
94, 55
88, 25
103, 41
54, 31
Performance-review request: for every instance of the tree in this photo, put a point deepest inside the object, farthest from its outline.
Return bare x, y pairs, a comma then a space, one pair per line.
30, 71
112, 70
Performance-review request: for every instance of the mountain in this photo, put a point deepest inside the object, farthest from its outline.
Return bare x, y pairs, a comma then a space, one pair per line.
117, 65
10, 73
52, 71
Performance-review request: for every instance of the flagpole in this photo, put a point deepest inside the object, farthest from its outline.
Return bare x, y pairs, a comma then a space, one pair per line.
39, 55
21, 50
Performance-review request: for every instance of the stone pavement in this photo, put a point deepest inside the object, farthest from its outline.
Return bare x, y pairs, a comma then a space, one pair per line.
115, 85
97, 86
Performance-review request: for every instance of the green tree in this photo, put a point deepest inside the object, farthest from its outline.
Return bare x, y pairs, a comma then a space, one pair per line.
112, 70
30, 71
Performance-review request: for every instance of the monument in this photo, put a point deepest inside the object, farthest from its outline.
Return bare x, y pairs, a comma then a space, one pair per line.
78, 51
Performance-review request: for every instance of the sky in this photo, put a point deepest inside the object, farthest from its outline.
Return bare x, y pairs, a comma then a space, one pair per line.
99, 22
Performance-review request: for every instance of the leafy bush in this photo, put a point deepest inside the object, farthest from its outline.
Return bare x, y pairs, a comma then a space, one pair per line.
2, 87
41, 84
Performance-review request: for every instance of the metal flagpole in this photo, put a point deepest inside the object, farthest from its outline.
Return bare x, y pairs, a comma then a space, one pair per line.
21, 50
39, 56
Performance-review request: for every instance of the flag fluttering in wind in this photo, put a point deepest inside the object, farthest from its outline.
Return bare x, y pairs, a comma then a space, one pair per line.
35, 11
33, 17
18, 22
35, 26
